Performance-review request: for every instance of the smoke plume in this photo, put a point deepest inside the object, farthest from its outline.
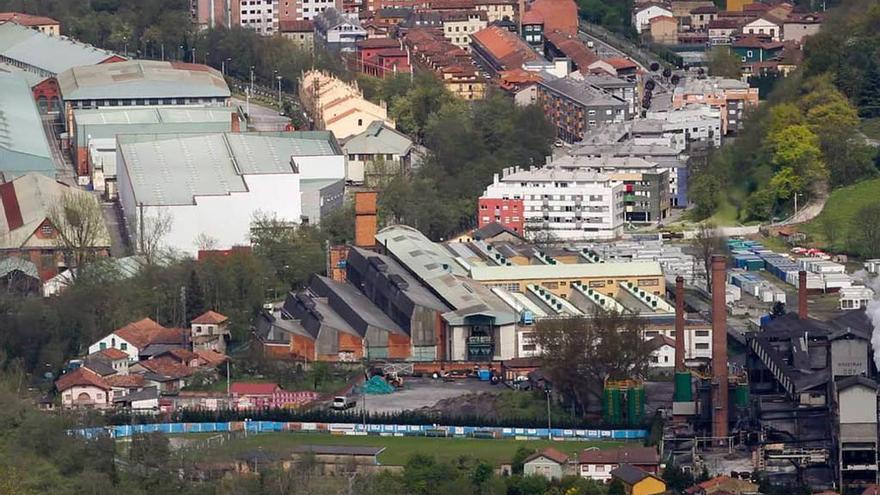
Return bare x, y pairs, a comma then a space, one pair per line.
872, 311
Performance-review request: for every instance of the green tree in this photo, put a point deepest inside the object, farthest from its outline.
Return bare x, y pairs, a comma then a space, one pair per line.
522, 452
865, 229
195, 298
724, 63
616, 487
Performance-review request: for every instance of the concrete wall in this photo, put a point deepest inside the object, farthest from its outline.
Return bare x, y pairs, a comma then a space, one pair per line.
858, 404
849, 357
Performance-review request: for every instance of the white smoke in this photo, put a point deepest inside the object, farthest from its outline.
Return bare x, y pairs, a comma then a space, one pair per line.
872, 311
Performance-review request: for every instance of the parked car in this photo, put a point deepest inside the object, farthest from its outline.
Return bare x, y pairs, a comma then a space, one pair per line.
343, 402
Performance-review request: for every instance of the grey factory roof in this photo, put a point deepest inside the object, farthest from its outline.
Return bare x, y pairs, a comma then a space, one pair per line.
23, 144
170, 169
415, 290
435, 266
142, 79
626, 148
356, 301
378, 139
53, 54
582, 92
151, 115
31, 77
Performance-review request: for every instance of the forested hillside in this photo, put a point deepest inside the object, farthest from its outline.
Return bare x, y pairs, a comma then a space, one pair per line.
805, 140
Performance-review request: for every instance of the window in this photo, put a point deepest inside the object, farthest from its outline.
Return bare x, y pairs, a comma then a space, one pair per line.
702, 333
702, 346
360, 122
103, 345
123, 346
46, 230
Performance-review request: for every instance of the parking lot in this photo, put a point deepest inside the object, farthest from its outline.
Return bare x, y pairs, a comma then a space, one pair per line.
425, 392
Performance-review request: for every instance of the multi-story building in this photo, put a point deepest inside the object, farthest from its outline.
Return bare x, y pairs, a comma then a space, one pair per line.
339, 32
337, 106
498, 10
376, 155
799, 26
504, 211
259, 15
571, 204
624, 89
45, 25
382, 57
701, 16
574, 107
301, 32
729, 96
211, 14
496, 49
680, 128
452, 65
459, 25
304, 10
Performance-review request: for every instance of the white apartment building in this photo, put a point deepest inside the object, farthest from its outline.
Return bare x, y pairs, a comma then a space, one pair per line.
619, 169
259, 15
692, 123
571, 204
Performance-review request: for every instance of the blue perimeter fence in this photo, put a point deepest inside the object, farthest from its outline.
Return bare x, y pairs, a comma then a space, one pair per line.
123, 431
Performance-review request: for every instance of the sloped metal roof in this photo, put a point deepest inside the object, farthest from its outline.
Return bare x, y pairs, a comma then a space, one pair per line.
142, 79
53, 54
23, 144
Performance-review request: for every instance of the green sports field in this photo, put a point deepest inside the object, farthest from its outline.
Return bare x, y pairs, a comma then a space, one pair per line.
398, 449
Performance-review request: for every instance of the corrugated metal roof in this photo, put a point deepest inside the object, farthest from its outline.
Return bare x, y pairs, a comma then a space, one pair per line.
142, 79
151, 115
378, 139
54, 54
23, 144
567, 270
168, 169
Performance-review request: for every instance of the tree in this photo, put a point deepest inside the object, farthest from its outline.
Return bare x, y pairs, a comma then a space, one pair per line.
796, 147
195, 298
151, 235
869, 97
616, 487
865, 229
522, 452
724, 63
294, 251
79, 227
580, 353
677, 479
708, 242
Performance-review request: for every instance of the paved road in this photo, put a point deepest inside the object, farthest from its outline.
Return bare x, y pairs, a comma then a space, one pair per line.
119, 245
262, 118
63, 165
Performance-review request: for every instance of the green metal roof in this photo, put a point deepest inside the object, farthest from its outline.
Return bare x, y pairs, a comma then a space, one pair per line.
109, 122
142, 79
52, 54
23, 144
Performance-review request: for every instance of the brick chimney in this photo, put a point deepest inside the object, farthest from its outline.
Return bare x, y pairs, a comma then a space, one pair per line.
719, 348
236, 122
365, 224
802, 295
679, 324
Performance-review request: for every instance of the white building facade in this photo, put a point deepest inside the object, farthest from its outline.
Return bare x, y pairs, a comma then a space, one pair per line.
642, 17
571, 204
259, 15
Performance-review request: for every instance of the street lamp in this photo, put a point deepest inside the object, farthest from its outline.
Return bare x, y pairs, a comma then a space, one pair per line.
180, 53
194, 55
125, 42
223, 65
278, 78
252, 79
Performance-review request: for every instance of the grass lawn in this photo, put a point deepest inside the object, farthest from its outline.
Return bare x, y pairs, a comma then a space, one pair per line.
399, 449
842, 206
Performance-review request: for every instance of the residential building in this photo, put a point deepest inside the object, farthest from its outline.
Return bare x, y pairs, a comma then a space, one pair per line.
382, 57
24, 147
116, 359
737, 5
681, 10
146, 83
458, 26
558, 44
26, 227
598, 464
555, 15
549, 463
306, 10
94, 130
301, 32
210, 332
452, 65
498, 10
663, 29
729, 96
214, 184
575, 107
662, 352
338, 32
796, 27
638, 482
259, 15
521, 84
721, 30
337, 106
623, 89
532, 27
496, 49
573, 205
45, 25
376, 155
82, 388
751, 49
480, 327
642, 15
764, 25
702, 16
141, 339
212, 14
144, 401
616, 66
680, 128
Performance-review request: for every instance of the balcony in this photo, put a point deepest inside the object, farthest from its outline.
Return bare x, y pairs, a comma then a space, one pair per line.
629, 198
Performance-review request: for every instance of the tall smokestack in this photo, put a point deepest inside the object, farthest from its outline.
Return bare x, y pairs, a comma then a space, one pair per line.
719, 348
679, 324
802, 295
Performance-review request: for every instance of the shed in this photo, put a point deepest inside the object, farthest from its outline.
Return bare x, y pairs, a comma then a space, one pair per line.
549, 463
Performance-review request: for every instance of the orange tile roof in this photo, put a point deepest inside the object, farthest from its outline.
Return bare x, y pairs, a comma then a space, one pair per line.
296, 26
532, 17
81, 377
210, 318
126, 381
621, 63
559, 15
167, 366
140, 333
573, 48
26, 19
549, 453
113, 354
505, 47
212, 358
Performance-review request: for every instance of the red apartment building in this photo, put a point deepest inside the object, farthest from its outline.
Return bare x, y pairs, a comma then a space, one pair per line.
382, 57
507, 212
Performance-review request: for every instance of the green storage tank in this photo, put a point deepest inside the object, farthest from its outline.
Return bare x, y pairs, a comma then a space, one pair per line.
684, 391
635, 405
611, 406
741, 396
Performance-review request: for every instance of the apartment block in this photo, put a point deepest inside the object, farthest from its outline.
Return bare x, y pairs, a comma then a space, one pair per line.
575, 107
729, 96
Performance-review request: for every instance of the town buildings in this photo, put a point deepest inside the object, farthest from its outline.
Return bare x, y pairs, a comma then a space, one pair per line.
26, 227
732, 98
598, 464
301, 32
575, 106
496, 49
643, 15
45, 25
214, 184
336, 31
376, 155
382, 57
572, 204
430, 50
304, 10
337, 106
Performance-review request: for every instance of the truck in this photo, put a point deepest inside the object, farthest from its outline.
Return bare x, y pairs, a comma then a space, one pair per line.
343, 402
